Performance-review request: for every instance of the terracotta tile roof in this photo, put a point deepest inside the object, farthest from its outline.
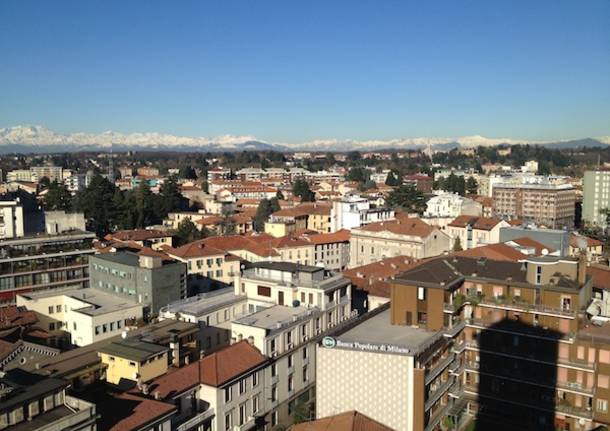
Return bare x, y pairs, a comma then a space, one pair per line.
532, 243
140, 412
499, 251
418, 177
479, 223
348, 421
304, 209
600, 275
342, 235
137, 234
365, 277
175, 382
228, 363
401, 226
195, 249
209, 221
12, 316
591, 242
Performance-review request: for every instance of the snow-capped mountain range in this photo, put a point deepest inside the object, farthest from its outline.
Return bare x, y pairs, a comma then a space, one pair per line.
39, 139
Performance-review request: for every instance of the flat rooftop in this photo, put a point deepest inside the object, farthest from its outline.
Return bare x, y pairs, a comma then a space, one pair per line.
97, 302
269, 318
379, 331
204, 303
133, 349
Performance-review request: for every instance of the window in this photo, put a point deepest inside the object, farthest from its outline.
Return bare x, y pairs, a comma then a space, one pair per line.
272, 345
303, 297
604, 356
421, 294
51, 309
274, 418
273, 370
255, 404
242, 386
290, 361
254, 379
132, 364
242, 413
51, 326
33, 408
264, 291
97, 330
274, 393
290, 383
304, 352
228, 394
538, 274
228, 420
602, 405
74, 325
603, 381
305, 376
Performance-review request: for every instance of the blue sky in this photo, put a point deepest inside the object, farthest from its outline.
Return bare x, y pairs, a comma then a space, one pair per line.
293, 71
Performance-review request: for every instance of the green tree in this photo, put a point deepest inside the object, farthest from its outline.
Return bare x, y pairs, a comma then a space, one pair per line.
408, 198
263, 212
393, 178
44, 183
57, 198
188, 232
301, 188
358, 174
457, 245
472, 186
187, 172
97, 202
171, 198
146, 208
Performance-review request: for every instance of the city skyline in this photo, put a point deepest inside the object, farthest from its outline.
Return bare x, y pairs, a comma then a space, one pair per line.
301, 73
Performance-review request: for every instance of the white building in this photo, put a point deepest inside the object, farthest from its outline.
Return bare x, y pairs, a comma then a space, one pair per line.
475, 231
89, 315
451, 205
19, 175
354, 211
11, 219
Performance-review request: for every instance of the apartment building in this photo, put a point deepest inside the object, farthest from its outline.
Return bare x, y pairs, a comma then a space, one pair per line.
88, 315
42, 261
133, 359
33, 402
526, 356
19, 175
11, 219
146, 277
330, 250
311, 216
471, 232
401, 237
505, 344
544, 204
354, 211
216, 266
596, 197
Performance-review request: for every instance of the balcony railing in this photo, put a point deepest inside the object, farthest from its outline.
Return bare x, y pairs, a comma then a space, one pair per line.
438, 368
196, 420
513, 303
436, 395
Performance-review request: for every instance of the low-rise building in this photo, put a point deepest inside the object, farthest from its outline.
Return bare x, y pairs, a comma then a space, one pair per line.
470, 232
354, 211
153, 238
452, 205
33, 402
89, 315
11, 219
134, 360
404, 236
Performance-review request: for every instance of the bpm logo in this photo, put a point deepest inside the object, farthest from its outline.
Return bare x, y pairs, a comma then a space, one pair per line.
329, 342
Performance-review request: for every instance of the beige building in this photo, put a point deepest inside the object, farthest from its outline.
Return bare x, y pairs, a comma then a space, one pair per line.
548, 205
89, 315
134, 360
473, 232
401, 237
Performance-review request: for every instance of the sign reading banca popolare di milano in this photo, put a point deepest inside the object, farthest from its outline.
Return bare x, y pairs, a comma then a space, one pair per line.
330, 343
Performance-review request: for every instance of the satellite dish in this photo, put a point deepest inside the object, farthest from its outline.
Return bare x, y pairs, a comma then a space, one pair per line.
545, 251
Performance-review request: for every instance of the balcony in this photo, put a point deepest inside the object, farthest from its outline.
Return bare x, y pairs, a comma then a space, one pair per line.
535, 357
520, 305
195, 420
455, 329
438, 393
438, 368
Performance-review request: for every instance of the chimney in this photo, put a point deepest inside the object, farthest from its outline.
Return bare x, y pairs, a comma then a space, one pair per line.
582, 267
